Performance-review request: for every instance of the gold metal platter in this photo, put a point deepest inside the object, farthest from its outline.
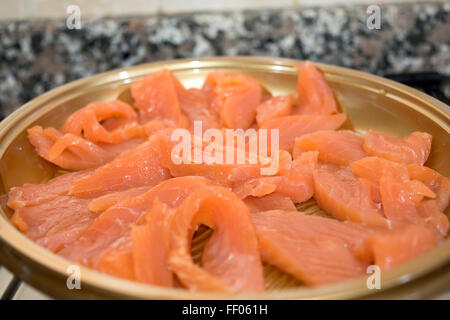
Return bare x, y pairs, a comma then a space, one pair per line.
370, 102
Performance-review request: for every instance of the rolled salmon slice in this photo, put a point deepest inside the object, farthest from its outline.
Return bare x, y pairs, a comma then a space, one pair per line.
314, 94
71, 152
109, 122
66, 150
315, 250
401, 245
230, 260
292, 127
413, 149
339, 147
112, 225
345, 197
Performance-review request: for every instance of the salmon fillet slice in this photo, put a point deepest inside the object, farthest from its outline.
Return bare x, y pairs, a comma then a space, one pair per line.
401, 245
274, 107
71, 152
315, 250
429, 210
314, 94
113, 224
110, 199
31, 194
292, 127
134, 168
230, 260
156, 98
345, 197
119, 262
401, 198
433, 180
273, 201
414, 148
151, 246
339, 147
295, 182
224, 174
66, 150
373, 168
235, 96
54, 223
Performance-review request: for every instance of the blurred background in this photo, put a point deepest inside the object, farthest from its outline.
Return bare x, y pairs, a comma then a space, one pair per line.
41, 46
47, 43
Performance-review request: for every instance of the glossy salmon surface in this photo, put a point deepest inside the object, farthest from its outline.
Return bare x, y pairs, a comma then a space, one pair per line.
213, 188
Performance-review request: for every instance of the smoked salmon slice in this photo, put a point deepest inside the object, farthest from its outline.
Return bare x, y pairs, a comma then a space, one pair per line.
295, 182
274, 107
118, 262
151, 246
149, 181
112, 225
436, 182
398, 246
135, 168
109, 122
31, 194
71, 152
345, 197
235, 96
372, 169
156, 98
273, 201
110, 199
221, 173
339, 147
414, 148
429, 210
315, 250
292, 127
314, 94
230, 260
401, 197
54, 223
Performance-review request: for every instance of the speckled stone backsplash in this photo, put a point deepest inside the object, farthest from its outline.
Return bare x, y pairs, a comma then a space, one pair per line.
37, 56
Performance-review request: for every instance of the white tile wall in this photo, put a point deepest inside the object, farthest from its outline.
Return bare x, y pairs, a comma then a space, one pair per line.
40, 9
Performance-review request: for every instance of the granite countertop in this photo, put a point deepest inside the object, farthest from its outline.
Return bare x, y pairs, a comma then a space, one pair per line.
36, 56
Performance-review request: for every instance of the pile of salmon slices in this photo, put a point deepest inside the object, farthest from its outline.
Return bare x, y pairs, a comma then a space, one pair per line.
126, 207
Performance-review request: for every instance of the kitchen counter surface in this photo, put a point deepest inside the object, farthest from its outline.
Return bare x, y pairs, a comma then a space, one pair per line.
37, 56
